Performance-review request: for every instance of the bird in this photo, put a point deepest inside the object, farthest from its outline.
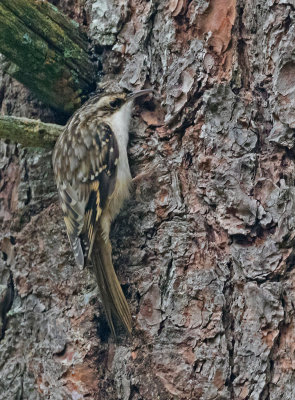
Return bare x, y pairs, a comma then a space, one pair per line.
93, 179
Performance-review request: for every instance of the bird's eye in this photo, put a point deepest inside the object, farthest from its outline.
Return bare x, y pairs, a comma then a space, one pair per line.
116, 103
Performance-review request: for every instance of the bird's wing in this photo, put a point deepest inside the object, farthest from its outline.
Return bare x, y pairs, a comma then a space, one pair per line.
85, 169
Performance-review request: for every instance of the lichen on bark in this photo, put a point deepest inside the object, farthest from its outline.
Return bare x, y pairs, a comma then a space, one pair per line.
29, 132
46, 52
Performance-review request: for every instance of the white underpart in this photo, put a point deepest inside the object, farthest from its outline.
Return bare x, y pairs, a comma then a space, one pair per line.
119, 123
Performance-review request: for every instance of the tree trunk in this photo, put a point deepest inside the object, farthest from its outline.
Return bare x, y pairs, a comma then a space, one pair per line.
204, 248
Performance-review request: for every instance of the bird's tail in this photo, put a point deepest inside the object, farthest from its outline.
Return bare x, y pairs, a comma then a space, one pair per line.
112, 296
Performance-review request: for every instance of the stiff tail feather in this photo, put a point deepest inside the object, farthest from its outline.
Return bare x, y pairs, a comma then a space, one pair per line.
112, 296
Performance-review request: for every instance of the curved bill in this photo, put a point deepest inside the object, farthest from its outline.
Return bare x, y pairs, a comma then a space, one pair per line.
133, 95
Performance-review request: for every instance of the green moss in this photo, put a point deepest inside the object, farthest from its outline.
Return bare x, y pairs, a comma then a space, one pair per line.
47, 51
53, 8
30, 133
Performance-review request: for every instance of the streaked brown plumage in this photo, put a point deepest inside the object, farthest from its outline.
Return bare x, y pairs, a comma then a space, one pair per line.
93, 177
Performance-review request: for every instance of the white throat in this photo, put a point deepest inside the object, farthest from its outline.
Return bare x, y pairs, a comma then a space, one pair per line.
120, 124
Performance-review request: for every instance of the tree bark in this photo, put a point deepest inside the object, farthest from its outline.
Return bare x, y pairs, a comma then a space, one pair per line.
47, 51
204, 247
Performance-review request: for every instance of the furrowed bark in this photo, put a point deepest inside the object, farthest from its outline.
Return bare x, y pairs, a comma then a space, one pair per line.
48, 52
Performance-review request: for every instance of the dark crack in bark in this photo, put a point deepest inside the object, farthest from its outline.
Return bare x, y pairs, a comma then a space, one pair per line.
6, 300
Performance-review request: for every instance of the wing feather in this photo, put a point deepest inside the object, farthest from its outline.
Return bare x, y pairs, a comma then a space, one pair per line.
85, 180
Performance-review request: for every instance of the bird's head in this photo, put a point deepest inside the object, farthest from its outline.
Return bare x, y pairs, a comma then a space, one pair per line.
109, 104
113, 108
116, 108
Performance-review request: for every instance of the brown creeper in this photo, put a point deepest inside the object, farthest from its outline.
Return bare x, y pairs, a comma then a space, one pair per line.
93, 178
